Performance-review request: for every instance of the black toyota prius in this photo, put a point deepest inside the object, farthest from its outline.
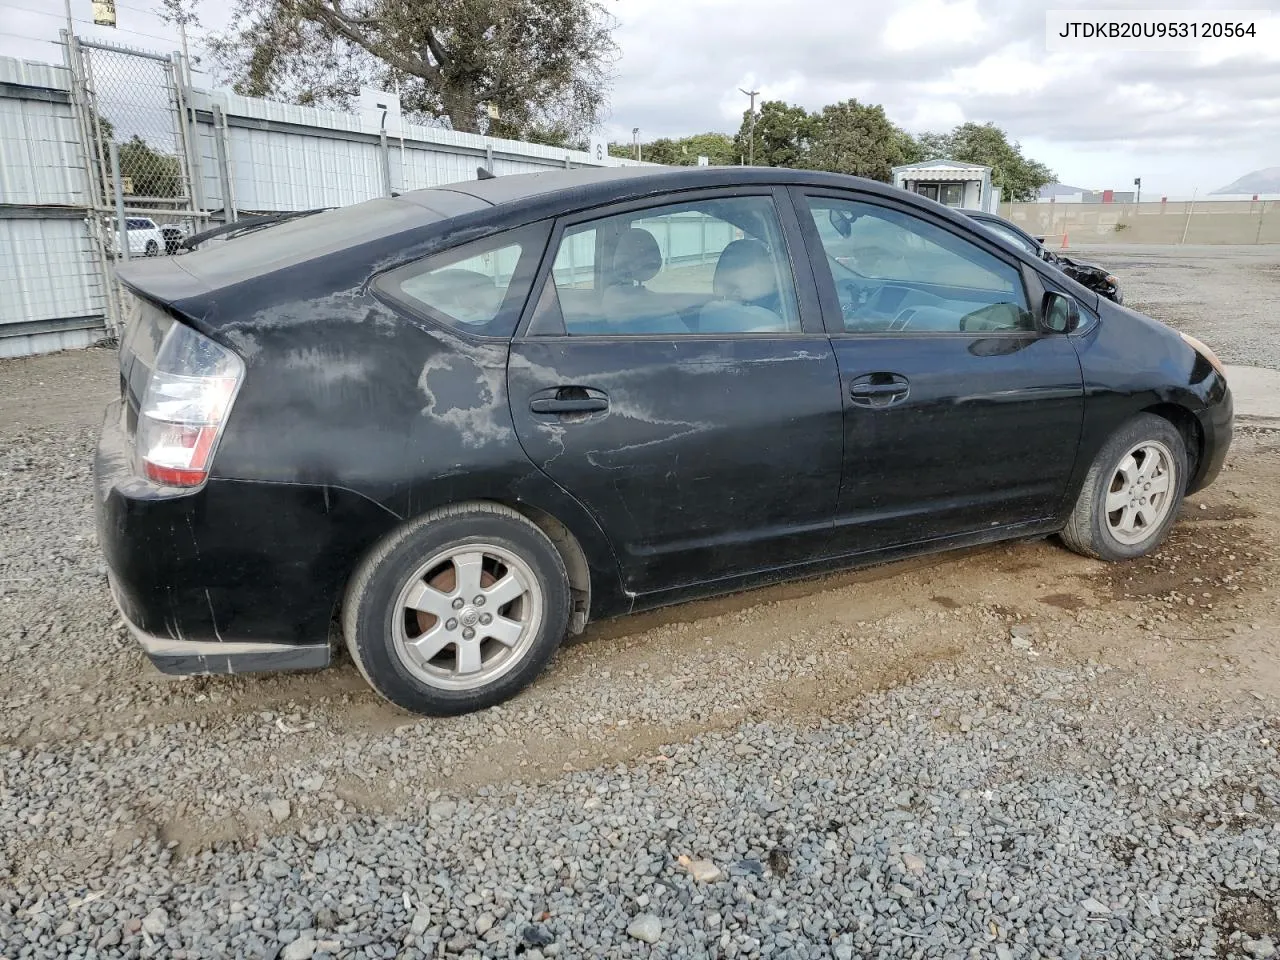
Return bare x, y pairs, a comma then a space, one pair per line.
465, 421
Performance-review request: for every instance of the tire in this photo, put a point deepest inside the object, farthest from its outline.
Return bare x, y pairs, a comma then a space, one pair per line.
153, 249
469, 654
1145, 452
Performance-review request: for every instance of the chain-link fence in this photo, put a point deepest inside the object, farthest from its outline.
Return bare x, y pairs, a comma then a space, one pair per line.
133, 124
132, 100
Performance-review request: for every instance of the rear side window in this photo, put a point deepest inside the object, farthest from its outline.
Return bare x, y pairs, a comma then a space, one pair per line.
478, 288
713, 266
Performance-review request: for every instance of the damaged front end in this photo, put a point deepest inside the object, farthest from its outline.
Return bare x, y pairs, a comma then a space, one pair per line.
1090, 275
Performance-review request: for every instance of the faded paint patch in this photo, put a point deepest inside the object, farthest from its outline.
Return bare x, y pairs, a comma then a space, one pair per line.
449, 382
328, 368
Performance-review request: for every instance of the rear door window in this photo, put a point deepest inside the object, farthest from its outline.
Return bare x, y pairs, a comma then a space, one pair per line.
478, 288
712, 266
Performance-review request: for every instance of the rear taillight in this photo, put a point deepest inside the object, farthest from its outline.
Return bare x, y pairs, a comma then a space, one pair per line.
185, 407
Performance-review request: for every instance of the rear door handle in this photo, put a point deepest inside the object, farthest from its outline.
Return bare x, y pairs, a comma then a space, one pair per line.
575, 405
876, 389
879, 389
568, 400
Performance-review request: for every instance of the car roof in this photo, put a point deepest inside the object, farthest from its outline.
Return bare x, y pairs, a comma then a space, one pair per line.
557, 191
472, 207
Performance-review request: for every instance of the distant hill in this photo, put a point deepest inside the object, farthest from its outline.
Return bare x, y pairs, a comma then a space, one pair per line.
1260, 181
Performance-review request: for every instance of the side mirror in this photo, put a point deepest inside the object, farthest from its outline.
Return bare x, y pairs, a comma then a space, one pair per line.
1059, 313
841, 221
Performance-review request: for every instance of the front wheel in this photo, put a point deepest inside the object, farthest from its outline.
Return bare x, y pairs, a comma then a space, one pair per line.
1131, 495
153, 249
458, 610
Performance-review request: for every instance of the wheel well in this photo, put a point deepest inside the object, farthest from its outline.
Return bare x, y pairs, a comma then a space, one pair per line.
566, 544
1187, 425
571, 553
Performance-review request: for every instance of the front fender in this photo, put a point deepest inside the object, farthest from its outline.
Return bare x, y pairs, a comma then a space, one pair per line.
1131, 364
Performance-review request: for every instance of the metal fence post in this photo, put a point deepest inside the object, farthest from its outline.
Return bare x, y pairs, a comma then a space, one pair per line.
188, 141
229, 214
82, 110
385, 152
122, 225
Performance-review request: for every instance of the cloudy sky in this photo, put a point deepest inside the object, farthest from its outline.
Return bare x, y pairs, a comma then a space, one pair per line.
1181, 121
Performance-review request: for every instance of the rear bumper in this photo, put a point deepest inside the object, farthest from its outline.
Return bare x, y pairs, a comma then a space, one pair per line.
232, 577
192, 658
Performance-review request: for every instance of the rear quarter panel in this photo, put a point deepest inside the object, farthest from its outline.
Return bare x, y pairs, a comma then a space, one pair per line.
345, 392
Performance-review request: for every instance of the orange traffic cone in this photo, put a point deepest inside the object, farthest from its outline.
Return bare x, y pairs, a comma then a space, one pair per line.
1064, 240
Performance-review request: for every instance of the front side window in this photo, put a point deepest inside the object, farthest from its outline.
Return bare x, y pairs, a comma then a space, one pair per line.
895, 272
712, 266
477, 288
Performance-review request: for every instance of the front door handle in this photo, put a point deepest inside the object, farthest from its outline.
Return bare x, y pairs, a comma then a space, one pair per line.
879, 389
570, 405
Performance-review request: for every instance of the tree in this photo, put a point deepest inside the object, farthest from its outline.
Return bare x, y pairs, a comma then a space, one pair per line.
716, 147
856, 138
500, 66
1019, 177
154, 174
782, 135
908, 147
935, 146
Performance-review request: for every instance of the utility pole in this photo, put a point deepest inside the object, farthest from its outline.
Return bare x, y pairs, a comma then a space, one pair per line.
70, 28
186, 57
180, 13
751, 137
635, 140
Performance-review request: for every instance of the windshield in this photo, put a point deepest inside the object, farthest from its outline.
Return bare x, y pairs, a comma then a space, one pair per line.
1019, 241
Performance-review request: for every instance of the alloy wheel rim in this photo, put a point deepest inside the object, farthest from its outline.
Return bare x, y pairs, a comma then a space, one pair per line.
467, 616
1141, 492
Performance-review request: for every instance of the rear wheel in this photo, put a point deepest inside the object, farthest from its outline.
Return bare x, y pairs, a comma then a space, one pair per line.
153, 248
458, 610
1132, 493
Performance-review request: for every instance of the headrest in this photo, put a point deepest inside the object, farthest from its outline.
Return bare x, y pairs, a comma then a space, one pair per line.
637, 257
744, 272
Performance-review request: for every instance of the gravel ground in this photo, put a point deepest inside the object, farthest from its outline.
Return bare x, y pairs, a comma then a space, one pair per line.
1013, 752
1228, 296
1029, 818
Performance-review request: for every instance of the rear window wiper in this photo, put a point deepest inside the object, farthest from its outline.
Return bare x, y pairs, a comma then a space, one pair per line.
245, 225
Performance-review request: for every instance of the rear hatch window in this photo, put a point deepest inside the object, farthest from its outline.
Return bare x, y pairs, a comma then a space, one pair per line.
294, 241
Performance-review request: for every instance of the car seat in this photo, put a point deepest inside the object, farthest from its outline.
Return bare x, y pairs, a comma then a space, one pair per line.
746, 289
627, 304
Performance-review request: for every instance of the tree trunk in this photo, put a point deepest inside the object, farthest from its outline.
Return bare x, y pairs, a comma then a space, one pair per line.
460, 106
